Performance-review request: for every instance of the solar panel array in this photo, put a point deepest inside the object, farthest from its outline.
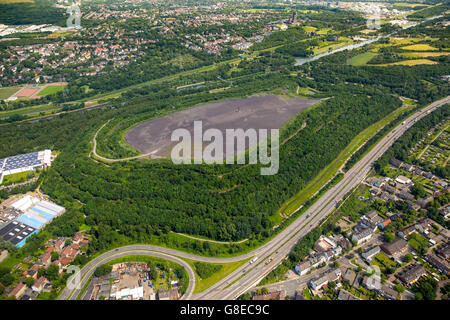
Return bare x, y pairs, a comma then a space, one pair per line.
16, 232
21, 161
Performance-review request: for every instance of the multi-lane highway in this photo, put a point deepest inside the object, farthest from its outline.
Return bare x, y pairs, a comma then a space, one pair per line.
248, 275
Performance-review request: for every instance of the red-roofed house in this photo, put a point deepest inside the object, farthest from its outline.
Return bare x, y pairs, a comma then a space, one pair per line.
18, 290
59, 245
39, 284
46, 259
77, 237
51, 249
65, 261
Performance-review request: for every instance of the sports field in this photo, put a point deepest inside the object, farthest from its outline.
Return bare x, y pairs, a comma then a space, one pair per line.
51, 89
5, 93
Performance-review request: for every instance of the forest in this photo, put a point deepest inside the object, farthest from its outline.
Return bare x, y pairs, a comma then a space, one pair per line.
37, 12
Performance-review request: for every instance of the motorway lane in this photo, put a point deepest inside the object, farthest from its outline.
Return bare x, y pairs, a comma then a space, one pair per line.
279, 247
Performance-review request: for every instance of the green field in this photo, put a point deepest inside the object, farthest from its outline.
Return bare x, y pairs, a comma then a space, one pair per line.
17, 177
227, 268
361, 59
52, 89
5, 93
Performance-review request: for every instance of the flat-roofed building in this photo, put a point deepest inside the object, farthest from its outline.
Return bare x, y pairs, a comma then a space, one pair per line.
398, 246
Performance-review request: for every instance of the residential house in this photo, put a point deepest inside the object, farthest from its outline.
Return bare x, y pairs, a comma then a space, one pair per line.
388, 292
370, 219
46, 259
324, 244
59, 245
303, 267
326, 277
413, 205
371, 282
384, 223
412, 274
18, 290
38, 286
407, 167
344, 295
362, 236
445, 212
440, 264
395, 163
424, 202
405, 195
349, 276
369, 254
398, 246
403, 180
78, 237
443, 251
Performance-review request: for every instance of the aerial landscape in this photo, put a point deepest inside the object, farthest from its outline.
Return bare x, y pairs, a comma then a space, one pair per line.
243, 151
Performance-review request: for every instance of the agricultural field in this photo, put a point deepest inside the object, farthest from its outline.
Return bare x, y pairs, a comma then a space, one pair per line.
413, 62
309, 28
424, 54
420, 47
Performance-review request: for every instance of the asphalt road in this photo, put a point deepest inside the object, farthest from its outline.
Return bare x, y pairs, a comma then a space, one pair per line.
248, 275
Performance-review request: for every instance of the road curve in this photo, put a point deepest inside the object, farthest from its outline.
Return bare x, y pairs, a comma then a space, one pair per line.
279, 247
88, 270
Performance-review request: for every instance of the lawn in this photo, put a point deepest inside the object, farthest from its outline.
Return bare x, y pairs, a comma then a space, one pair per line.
383, 261
17, 177
5, 93
51, 89
227, 268
361, 59
309, 28
418, 242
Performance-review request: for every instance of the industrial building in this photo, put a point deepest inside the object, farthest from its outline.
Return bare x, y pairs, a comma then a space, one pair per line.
35, 213
24, 162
